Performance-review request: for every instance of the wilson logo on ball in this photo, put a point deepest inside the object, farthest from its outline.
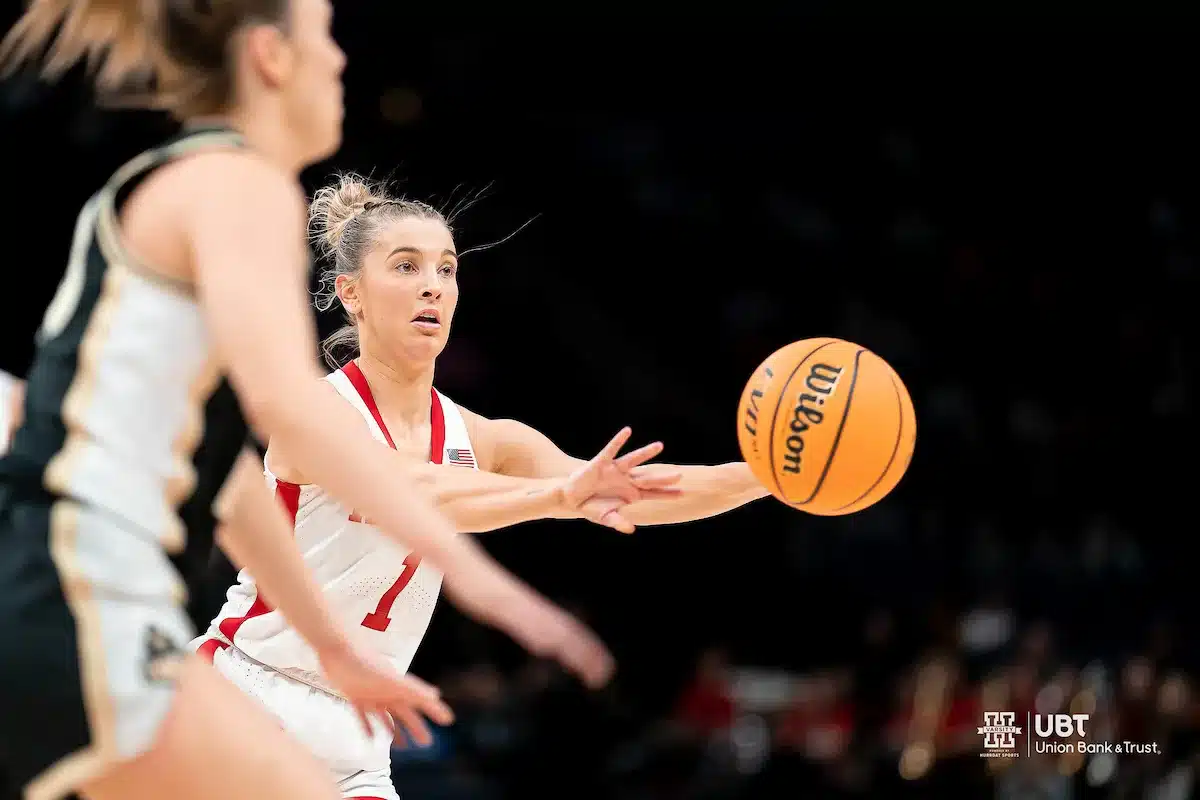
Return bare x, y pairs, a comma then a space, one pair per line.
826, 426
821, 381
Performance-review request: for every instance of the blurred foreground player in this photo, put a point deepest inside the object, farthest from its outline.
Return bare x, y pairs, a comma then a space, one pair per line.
189, 264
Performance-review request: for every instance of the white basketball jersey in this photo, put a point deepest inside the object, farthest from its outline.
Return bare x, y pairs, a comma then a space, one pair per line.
372, 584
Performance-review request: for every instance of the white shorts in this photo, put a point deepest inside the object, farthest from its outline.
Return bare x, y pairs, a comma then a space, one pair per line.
327, 725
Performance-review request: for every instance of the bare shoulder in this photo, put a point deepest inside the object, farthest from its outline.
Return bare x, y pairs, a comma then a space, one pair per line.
483, 435
210, 201
237, 179
236, 176
476, 424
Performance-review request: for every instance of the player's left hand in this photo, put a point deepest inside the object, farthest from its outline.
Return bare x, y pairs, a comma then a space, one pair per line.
599, 489
373, 687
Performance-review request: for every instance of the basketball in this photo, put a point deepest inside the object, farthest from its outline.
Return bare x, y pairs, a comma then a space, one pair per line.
827, 426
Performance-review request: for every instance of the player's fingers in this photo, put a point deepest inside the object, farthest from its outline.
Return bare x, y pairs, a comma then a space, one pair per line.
655, 479
436, 709
665, 493
589, 659
425, 698
423, 687
616, 443
414, 725
639, 456
615, 520
627, 493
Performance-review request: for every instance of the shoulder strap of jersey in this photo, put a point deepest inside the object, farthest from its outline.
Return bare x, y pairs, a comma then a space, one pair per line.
456, 439
187, 141
123, 181
363, 404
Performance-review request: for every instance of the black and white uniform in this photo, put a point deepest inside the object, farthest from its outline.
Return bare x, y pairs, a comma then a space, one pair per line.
106, 500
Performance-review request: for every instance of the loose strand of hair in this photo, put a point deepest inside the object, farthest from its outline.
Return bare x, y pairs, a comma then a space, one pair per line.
482, 247
463, 204
337, 344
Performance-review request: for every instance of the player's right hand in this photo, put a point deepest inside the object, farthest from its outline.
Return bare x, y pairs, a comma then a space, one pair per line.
601, 487
541, 627
373, 687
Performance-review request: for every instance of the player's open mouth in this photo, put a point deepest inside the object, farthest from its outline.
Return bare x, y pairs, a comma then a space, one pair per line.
427, 320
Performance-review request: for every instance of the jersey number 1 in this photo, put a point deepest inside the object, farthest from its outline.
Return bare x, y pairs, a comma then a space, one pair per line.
378, 620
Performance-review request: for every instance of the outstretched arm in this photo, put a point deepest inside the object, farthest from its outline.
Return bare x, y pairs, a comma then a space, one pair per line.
513, 448
479, 501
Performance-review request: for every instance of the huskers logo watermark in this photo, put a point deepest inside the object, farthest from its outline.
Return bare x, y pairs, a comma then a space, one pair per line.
1049, 733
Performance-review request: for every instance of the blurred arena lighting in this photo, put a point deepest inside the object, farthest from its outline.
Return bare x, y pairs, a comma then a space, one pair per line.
929, 705
400, 105
1101, 770
1070, 763
751, 740
916, 760
1049, 699
1173, 696
1084, 702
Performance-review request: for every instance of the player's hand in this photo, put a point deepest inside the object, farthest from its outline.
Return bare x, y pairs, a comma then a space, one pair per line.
599, 489
541, 627
373, 687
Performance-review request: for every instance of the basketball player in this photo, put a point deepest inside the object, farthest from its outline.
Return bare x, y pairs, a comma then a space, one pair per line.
393, 266
187, 265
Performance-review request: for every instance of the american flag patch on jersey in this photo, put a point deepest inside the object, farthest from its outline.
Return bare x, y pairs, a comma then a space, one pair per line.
461, 458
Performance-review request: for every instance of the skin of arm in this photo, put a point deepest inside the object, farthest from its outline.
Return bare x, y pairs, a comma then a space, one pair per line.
514, 448
255, 534
473, 501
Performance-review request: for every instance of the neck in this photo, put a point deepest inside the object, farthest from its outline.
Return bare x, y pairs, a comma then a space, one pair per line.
265, 134
401, 390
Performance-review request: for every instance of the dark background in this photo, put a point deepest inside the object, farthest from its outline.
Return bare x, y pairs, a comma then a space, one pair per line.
1004, 209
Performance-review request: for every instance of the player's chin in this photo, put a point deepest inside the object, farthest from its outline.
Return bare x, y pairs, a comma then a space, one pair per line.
425, 343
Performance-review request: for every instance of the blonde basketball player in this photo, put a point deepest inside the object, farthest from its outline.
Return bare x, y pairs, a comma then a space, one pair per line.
393, 267
189, 264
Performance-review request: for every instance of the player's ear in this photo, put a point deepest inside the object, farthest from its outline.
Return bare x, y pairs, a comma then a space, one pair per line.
346, 289
271, 54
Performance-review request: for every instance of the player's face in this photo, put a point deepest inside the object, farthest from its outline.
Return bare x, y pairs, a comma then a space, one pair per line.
313, 93
409, 287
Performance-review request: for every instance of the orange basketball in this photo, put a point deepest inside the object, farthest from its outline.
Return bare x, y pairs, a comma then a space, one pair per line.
827, 426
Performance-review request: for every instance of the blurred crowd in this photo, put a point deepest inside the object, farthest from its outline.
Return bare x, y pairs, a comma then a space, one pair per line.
893, 723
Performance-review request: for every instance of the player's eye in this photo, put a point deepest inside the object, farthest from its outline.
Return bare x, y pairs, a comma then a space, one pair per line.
448, 270
405, 266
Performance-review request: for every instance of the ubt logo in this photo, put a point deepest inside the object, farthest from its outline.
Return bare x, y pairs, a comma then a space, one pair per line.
1061, 725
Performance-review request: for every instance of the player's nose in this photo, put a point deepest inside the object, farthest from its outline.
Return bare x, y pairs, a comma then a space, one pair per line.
432, 290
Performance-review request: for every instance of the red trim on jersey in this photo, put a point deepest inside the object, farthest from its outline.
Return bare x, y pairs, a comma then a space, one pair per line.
210, 648
437, 429
359, 382
437, 420
289, 495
